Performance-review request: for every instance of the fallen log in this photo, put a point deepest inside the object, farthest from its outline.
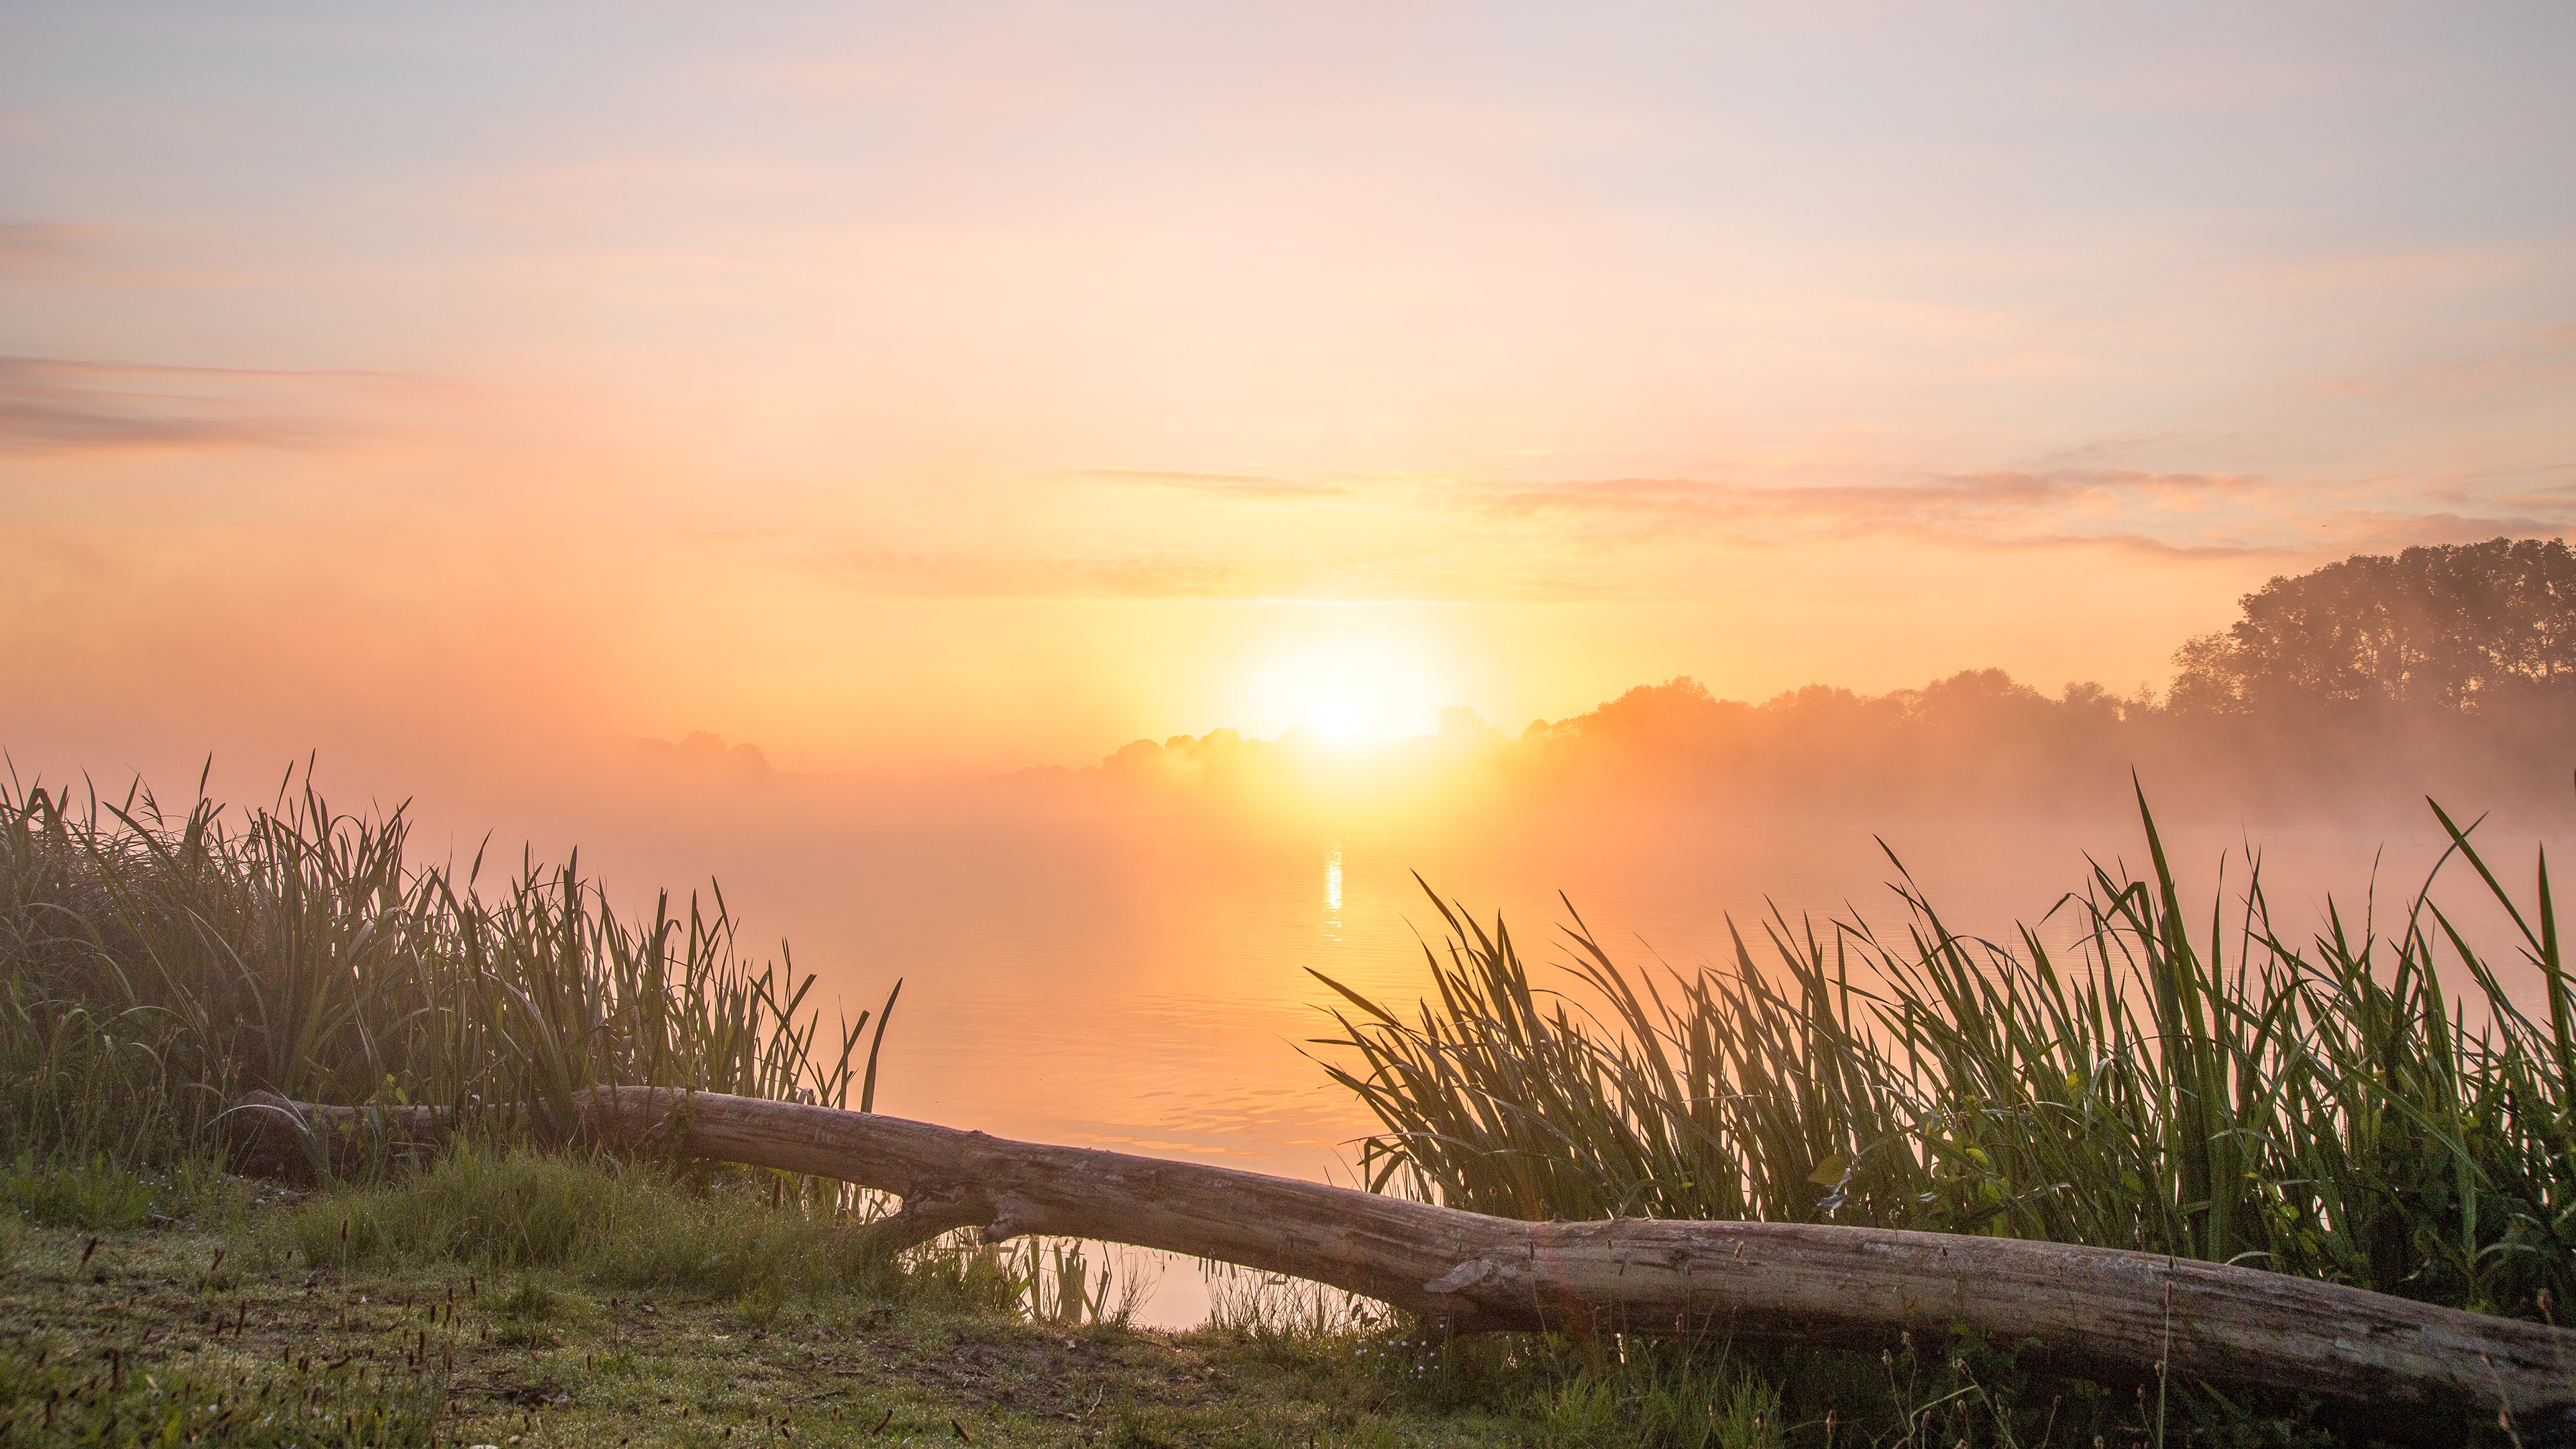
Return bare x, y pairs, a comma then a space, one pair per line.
2101, 1311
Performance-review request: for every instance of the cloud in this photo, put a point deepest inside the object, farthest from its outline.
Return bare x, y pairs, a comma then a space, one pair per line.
1374, 578
1131, 576
1229, 485
2157, 514
2549, 487
2139, 544
2370, 531
25, 243
2544, 357
1585, 527
48, 405
1481, 539
1994, 505
2105, 452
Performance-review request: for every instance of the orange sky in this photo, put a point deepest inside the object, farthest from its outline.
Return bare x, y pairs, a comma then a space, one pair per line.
941, 388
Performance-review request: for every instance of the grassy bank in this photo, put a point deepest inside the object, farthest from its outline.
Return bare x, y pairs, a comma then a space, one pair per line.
459, 1309
542, 1301
2379, 1110
157, 964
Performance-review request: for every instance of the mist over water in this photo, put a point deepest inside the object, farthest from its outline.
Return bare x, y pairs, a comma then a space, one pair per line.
1143, 984
1140, 981
1126, 957
920, 393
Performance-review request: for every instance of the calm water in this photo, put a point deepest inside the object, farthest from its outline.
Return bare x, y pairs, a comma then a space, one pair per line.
1143, 983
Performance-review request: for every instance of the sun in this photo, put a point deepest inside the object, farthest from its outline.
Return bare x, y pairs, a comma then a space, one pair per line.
1336, 714
1347, 691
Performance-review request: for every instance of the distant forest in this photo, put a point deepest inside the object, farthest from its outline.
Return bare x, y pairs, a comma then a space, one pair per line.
2357, 688
2477, 627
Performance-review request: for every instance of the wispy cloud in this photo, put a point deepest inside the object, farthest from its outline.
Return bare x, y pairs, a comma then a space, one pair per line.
959, 576
2549, 489
1254, 486
2350, 531
2139, 545
2545, 357
49, 405
1583, 526
1376, 578
1999, 506
24, 243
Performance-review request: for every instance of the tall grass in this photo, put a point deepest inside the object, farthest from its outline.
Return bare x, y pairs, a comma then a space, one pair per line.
155, 964
2200, 1085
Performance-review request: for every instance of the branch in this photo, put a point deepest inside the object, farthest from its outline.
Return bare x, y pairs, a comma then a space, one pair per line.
2098, 1311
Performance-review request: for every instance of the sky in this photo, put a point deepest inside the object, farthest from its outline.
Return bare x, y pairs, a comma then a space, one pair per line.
918, 389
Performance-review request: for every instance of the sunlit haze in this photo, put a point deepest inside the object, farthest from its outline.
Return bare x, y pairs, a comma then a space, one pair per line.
1074, 504
966, 387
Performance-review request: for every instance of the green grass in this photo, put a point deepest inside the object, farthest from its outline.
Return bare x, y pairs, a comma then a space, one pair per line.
564, 1329
2200, 1085
155, 965
588, 1302
2320, 1109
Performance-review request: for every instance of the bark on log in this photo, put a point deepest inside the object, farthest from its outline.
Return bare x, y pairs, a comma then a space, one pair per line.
2102, 1311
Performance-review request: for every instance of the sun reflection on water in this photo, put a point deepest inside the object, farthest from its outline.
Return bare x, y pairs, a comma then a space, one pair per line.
1333, 893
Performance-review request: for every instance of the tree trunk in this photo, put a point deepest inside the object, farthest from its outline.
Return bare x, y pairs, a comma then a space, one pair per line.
2100, 1311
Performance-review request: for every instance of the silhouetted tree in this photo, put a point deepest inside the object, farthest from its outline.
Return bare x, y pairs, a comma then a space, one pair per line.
2456, 625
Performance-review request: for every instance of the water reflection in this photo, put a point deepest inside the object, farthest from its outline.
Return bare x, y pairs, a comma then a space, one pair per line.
1143, 984
1333, 894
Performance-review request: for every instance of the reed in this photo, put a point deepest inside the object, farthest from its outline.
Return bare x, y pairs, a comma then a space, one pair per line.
2195, 1084
157, 964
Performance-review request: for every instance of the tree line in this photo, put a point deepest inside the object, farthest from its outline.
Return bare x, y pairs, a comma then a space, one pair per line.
2459, 626
2358, 687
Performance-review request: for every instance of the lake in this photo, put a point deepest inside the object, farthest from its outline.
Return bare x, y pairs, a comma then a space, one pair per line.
1141, 982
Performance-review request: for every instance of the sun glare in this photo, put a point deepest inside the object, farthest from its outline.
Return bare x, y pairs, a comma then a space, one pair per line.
1337, 714
1347, 691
